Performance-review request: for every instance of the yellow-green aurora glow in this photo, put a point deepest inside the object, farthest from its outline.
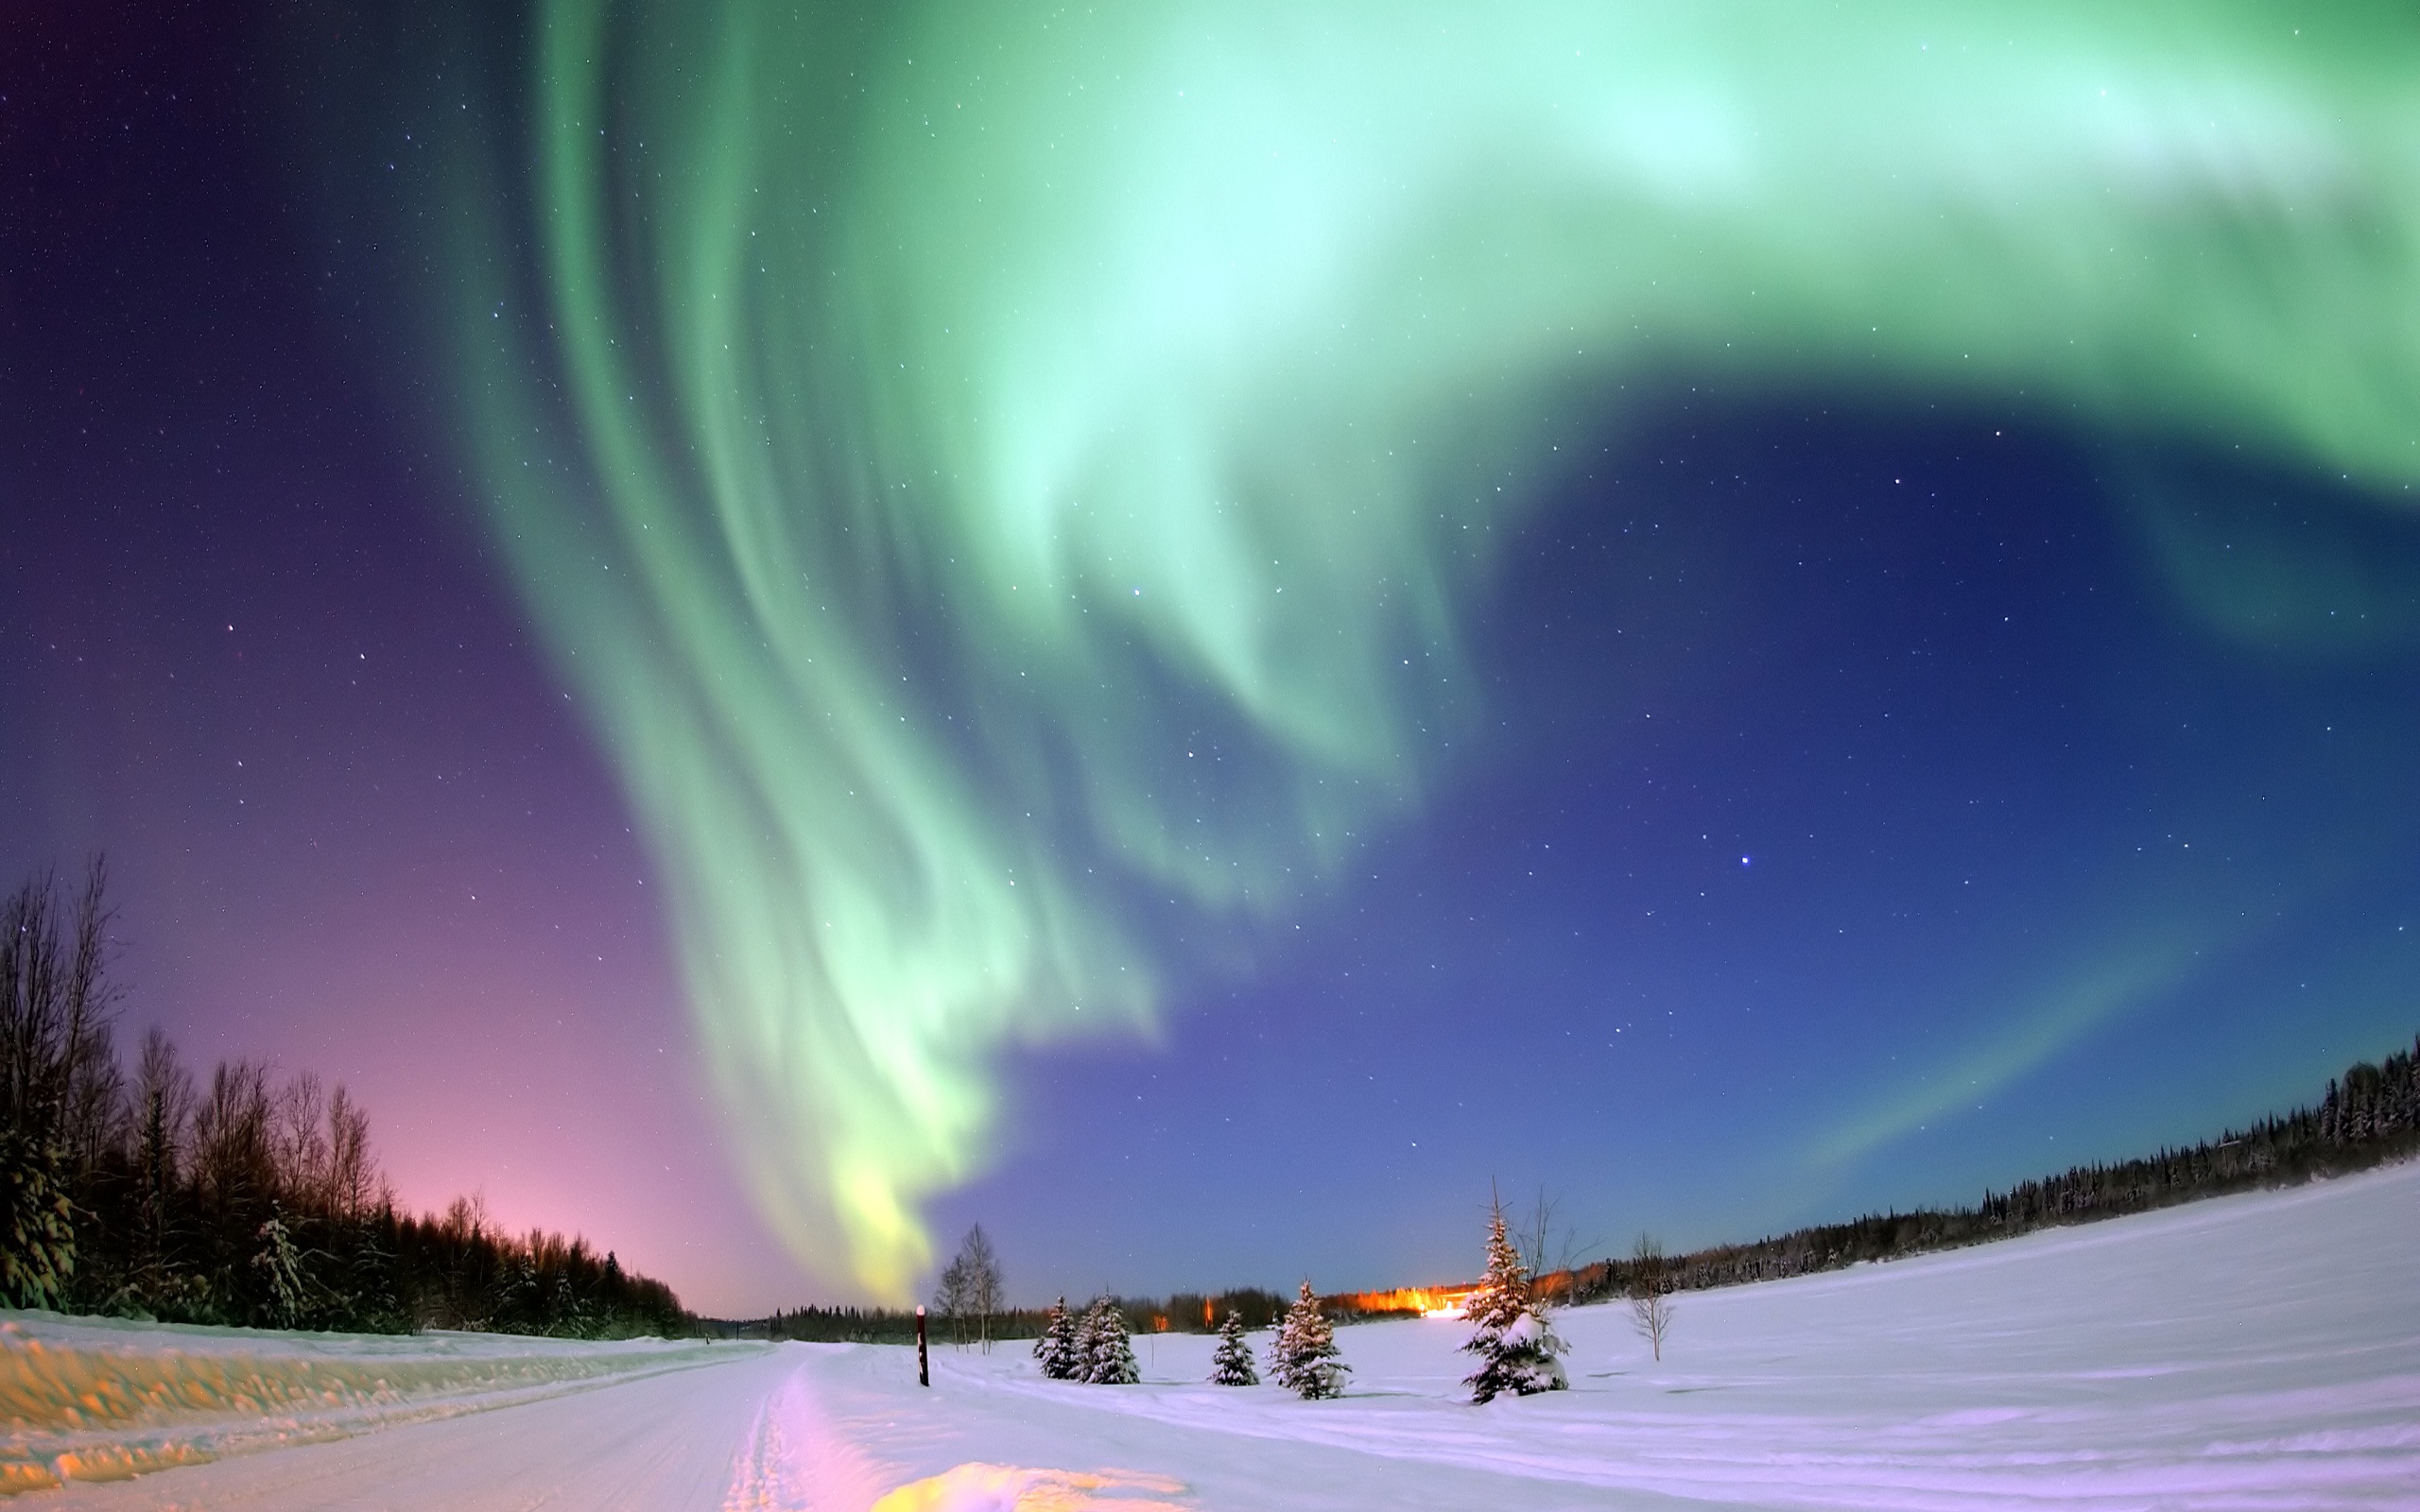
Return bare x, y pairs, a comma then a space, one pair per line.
937, 422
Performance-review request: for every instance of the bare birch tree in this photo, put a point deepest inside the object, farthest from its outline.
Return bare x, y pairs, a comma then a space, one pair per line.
1650, 1291
984, 1286
969, 1291
951, 1296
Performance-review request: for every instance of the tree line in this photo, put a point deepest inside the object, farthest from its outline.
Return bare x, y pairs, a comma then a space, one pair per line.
142, 1189
2368, 1117
969, 1308
1183, 1312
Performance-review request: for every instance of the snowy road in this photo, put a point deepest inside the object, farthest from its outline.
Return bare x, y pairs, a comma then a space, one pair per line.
2251, 1353
660, 1441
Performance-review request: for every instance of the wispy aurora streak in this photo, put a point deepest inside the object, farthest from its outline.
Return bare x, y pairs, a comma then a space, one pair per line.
997, 472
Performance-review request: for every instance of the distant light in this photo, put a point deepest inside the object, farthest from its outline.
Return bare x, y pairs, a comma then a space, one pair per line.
1743, 861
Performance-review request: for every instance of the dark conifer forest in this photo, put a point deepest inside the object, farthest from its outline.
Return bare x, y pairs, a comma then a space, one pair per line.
138, 1188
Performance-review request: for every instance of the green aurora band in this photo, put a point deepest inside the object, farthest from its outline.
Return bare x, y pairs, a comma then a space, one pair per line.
939, 433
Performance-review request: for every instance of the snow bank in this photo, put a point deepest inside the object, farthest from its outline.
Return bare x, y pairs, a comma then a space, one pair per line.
103, 1398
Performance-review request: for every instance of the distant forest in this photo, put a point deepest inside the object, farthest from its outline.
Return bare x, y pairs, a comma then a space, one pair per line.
249, 1199
1185, 1313
2369, 1117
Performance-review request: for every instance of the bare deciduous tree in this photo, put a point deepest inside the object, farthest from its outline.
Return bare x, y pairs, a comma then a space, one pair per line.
983, 1283
353, 1175
163, 1110
55, 1006
949, 1297
466, 1219
234, 1159
969, 1291
299, 1141
1549, 1248
1650, 1291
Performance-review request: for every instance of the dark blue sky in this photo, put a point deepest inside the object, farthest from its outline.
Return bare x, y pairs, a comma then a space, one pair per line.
1872, 798
1865, 822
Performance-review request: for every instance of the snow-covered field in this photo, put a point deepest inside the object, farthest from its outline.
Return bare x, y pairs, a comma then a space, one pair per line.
2257, 1351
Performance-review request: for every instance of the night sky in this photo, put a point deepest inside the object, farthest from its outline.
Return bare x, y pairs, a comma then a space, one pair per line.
679, 602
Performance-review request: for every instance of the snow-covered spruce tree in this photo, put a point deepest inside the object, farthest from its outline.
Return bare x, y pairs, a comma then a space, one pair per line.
1230, 1362
1304, 1358
1056, 1349
54, 1036
565, 1317
1108, 1357
1515, 1348
288, 1292
37, 1222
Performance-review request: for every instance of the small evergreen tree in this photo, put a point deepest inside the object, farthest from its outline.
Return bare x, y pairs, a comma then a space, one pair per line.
1230, 1362
55, 1064
565, 1317
288, 1291
1516, 1349
1056, 1349
37, 1226
1107, 1358
1303, 1357
1087, 1334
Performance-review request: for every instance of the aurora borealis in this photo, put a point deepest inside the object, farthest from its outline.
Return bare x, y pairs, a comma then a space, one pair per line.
960, 418
1052, 518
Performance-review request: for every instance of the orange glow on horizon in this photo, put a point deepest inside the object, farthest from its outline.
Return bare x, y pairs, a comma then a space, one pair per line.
1428, 1301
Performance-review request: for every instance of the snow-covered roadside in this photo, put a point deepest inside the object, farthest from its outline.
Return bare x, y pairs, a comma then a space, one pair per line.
2248, 1352
103, 1398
